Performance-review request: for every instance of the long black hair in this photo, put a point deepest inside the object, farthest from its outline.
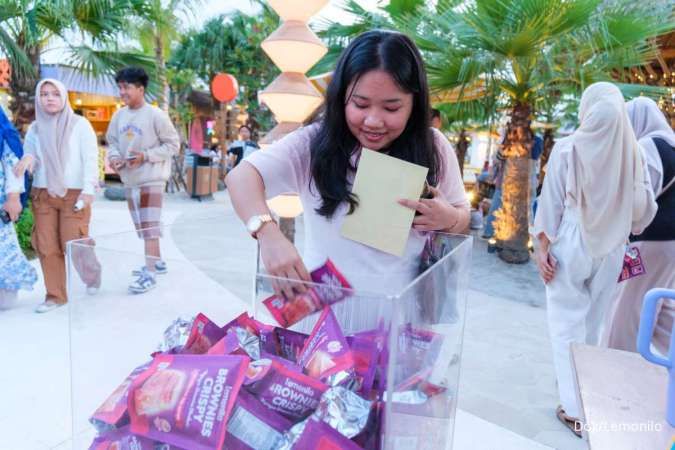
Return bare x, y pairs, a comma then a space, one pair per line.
333, 145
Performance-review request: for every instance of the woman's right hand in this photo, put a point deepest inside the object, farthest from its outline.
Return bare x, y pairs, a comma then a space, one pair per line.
26, 163
546, 263
282, 260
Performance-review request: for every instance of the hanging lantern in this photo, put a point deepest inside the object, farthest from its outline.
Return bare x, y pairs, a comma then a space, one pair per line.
300, 10
294, 48
224, 87
291, 97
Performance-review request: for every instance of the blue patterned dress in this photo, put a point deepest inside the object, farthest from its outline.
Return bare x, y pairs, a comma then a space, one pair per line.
15, 271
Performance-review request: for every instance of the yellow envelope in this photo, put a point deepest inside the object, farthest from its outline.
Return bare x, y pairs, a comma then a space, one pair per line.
379, 221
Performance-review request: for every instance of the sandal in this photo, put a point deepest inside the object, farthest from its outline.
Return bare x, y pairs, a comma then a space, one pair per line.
574, 425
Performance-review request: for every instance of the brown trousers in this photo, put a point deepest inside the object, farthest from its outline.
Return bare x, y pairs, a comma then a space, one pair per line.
56, 223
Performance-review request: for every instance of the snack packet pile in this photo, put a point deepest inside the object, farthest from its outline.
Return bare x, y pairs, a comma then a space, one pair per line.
249, 385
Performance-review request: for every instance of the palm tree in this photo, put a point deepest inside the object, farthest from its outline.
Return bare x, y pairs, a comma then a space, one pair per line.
86, 30
231, 44
525, 49
157, 28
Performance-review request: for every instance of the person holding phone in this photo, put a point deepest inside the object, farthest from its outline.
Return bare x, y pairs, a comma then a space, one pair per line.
377, 99
62, 152
15, 271
242, 147
582, 225
141, 144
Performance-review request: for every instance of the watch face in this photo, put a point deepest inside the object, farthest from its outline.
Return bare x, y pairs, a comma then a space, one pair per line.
254, 224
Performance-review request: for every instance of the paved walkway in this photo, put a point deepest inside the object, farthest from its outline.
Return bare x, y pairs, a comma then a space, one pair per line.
507, 390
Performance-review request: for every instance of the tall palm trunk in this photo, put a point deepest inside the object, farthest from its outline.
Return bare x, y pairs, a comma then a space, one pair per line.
160, 63
511, 228
22, 89
462, 147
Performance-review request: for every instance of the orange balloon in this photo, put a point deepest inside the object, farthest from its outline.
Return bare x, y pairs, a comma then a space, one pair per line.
224, 87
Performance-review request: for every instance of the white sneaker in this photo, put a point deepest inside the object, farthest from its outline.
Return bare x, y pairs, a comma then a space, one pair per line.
92, 290
145, 282
160, 269
47, 306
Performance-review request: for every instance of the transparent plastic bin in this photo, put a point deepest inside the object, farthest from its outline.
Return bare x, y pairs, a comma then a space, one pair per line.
423, 322
112, 332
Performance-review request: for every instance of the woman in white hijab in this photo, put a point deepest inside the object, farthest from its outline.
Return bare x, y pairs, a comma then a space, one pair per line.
595, 193
654, 249
62, 150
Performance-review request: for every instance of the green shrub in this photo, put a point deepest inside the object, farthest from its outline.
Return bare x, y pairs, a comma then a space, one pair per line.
24, 228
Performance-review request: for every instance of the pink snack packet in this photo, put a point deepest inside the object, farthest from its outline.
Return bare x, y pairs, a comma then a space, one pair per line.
418, 349
243, 320
320, 436
326, 352
252, 426
112, 414
292, 394
331, 285
122, 439
203, 335
186, 400
289, 312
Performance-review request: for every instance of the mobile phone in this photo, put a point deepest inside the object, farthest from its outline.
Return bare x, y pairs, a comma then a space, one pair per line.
4, 216
131, 158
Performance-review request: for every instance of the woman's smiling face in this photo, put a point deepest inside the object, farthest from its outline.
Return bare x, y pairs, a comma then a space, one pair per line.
377, 109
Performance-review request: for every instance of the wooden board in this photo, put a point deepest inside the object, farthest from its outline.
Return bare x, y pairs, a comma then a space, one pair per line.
623, 399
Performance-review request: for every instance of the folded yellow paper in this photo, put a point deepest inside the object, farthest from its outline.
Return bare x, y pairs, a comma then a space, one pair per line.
379, 221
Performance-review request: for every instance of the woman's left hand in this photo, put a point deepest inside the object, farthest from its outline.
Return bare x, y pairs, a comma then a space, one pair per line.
87, 199
13, 206
436, 214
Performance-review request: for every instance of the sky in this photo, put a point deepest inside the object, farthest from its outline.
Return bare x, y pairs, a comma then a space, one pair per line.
213, 8
332, 11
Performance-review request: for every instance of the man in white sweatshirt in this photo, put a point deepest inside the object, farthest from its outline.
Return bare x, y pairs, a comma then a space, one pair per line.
141, 143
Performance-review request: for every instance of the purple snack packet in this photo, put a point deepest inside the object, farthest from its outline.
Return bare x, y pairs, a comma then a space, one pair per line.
203, 336
112, 414
252, 426
283, 342
239, 341
366, 354
186, 400
326, 352
318, 435
122, 439
292, 394
332, 284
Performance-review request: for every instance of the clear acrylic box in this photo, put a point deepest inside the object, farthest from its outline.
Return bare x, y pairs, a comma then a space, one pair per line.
113, 332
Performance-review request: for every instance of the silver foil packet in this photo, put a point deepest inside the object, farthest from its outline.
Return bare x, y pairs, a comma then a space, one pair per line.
249, 342
291, 437
343, 410
176, 335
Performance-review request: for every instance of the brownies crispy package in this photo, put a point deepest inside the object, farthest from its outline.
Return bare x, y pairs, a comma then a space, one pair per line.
326, 352
186, 400
112, 414
252, 426
292, 394
330, 288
